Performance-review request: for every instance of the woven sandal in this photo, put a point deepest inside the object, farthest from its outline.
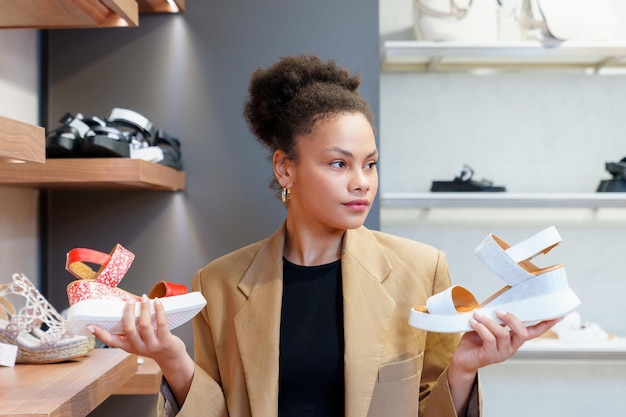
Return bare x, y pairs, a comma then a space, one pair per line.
37, 329
532, 294
96, 299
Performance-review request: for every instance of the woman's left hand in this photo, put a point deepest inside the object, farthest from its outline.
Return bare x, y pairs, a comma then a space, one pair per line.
489, 343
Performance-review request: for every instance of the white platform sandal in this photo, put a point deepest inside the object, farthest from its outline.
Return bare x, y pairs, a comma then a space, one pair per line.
532, 294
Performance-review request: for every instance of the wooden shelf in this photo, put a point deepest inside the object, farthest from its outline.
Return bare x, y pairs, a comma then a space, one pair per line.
147, 380
68, 13
161, 6
426, 56
73, 388
93, 174
502, 199
21, 141
64, 14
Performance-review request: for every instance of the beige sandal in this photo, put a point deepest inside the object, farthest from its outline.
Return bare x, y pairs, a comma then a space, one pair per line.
37, 329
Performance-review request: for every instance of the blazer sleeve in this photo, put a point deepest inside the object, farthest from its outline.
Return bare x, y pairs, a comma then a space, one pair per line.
206, 396
435, 398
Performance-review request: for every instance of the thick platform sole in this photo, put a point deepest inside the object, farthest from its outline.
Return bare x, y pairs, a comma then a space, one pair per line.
529, 311
107, 314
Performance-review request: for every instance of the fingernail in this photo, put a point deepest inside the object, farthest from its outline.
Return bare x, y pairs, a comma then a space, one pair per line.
157, 301
144, 298
90, 329
501, 313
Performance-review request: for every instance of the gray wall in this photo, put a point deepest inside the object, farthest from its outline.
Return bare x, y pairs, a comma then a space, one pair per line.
19, 229
189, 75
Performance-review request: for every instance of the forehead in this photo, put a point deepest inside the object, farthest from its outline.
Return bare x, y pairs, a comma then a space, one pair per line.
346, 130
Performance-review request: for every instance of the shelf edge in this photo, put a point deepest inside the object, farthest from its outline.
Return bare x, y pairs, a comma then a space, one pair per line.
505, 199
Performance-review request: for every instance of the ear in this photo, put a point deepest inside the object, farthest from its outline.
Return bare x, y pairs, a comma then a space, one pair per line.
282, 168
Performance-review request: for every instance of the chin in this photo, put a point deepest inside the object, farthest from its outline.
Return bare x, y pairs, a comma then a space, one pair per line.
354, 223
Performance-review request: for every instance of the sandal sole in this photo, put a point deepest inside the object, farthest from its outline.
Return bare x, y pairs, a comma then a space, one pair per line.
529, 311
107, 314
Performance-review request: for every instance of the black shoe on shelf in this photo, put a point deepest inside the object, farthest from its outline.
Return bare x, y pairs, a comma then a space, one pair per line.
463, 182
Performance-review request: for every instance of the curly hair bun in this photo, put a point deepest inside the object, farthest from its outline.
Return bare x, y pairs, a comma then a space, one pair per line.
290, 96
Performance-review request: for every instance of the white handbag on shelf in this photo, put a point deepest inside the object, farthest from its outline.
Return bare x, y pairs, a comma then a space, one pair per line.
472, 21
567, 20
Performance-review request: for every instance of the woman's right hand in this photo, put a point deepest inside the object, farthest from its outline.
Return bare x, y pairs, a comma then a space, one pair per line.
159, 344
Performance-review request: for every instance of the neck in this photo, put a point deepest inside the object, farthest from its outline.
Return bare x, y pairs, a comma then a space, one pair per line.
309, 247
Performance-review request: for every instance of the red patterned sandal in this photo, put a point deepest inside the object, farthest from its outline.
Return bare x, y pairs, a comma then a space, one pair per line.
96, 299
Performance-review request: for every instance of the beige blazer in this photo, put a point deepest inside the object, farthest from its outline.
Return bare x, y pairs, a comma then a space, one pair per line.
390, 366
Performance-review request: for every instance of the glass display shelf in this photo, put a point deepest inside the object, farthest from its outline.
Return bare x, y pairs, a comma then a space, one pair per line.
427, 56
502, 199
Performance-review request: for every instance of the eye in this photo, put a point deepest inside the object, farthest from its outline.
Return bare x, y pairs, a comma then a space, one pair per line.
338, 164
371, 164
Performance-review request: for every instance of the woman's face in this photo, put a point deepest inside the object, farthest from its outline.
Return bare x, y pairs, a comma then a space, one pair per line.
335, 180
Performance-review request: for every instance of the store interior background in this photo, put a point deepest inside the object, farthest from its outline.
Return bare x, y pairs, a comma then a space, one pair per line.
530, 131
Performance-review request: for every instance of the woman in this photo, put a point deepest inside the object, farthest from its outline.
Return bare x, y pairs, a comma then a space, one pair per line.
312, 321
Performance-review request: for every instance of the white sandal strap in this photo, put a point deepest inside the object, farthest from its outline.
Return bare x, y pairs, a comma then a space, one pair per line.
449, 300
503, 261
541, 242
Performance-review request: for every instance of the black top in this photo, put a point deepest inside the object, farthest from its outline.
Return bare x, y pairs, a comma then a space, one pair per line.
311, 342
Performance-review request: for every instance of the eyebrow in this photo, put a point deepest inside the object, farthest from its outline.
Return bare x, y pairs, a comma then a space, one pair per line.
348, 153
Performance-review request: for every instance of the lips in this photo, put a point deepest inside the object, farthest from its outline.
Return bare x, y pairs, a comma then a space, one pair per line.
357, 204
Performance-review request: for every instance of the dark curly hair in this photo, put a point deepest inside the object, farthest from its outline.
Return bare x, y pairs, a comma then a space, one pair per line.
289, 97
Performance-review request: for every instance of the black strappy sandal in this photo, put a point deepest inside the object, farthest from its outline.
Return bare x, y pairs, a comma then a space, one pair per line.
618, 182
171, 150
463, 182
66, 140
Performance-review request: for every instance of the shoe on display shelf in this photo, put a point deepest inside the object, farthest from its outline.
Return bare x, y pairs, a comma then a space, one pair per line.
464, 182
574, 335
37, 329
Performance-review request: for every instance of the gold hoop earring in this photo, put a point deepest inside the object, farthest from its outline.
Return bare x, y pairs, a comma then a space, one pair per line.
285, 195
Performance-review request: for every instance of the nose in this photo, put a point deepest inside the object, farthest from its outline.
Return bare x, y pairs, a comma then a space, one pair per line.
360, 181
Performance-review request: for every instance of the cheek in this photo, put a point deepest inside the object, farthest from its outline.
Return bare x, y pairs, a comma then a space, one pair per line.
324, 190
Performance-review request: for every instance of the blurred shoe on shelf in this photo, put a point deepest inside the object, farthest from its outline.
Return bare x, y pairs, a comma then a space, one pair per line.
37, 329
464, 182
617, 184
573, 330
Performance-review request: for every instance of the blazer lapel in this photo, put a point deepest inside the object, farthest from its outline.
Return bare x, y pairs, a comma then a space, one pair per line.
257, 325
368, 309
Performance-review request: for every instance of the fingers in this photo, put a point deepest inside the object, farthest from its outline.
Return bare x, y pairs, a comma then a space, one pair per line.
518, 332
500, 341
494, 341
542, 327
144, 327
514, 327
162, 327
112, 340
495, 337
